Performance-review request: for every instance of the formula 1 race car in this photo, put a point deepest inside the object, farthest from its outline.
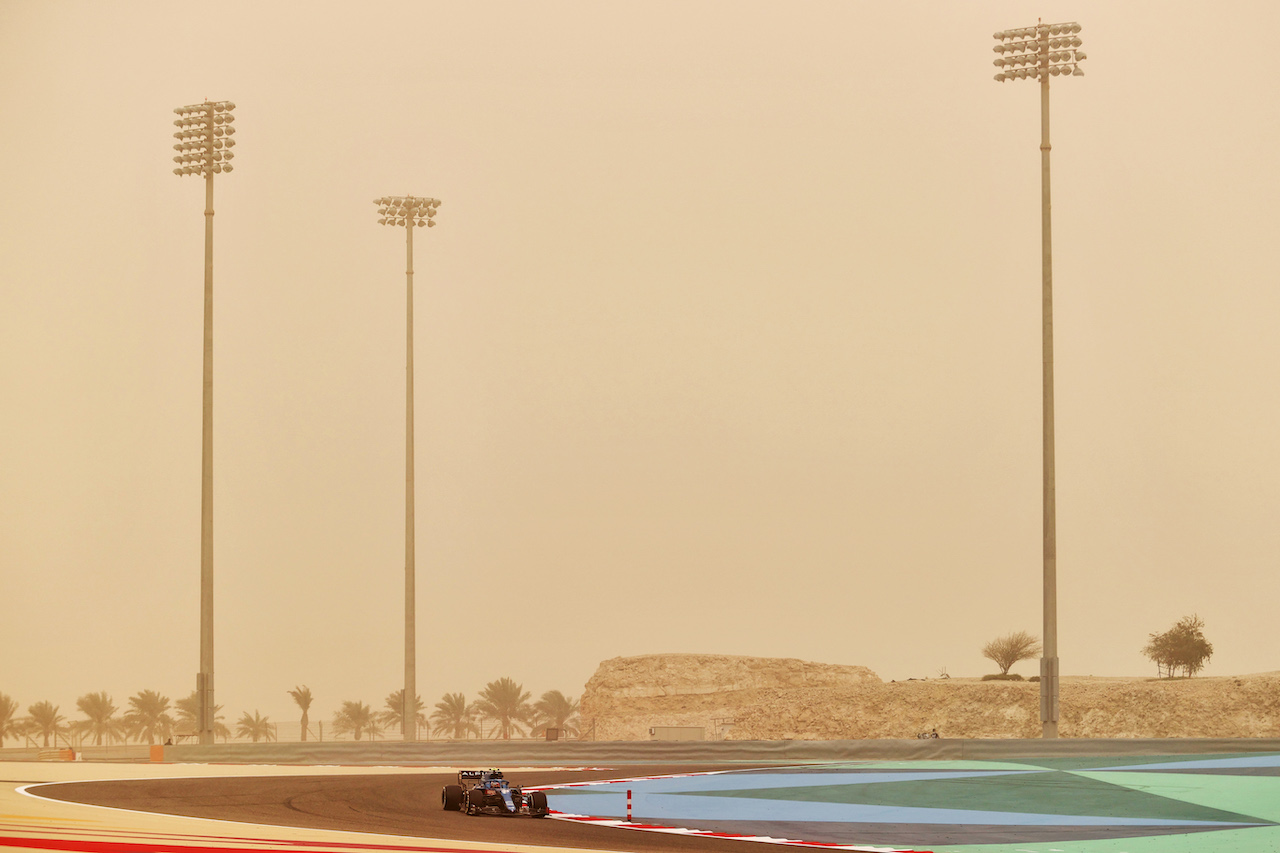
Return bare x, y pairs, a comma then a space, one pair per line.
487, 792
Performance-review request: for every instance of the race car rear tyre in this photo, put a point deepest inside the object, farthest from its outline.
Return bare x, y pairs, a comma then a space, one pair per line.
451, 798
538, 803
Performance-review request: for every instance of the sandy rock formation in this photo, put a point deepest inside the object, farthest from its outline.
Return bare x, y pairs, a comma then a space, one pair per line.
629, 695
742, 698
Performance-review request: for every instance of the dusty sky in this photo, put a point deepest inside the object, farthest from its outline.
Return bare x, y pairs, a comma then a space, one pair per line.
728, 340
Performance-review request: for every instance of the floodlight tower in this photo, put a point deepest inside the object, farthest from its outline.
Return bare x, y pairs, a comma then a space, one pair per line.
411, 212
204, 148
1038, 53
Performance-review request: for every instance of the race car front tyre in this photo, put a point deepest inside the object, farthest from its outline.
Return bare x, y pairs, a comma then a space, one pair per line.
451, 798
538, 803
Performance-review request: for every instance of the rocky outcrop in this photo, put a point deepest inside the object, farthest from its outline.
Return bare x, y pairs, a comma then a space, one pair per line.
627, 696
744, 698
1247, 706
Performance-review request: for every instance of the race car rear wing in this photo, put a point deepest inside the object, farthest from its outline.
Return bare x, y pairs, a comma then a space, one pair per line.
477, 775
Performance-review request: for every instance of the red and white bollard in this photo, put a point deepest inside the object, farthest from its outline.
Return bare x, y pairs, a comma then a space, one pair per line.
628, 805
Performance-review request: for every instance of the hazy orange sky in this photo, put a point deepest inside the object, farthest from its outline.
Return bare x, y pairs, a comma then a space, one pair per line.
728, 340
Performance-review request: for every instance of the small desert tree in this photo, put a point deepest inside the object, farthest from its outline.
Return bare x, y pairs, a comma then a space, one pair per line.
1183, 647
1011, 648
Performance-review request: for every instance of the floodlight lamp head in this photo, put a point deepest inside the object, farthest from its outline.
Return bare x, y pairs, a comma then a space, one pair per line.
1077, 72
431, 223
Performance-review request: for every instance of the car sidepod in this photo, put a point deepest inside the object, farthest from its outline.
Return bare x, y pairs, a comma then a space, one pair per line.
508, 802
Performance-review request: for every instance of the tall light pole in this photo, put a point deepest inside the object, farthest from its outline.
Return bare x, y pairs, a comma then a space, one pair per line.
1038, 53
204, 148
410, 212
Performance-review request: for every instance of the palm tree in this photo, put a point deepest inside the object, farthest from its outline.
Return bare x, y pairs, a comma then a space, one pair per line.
189, 709
394, 715
44, 720
302, 695
356, 718
256, 727
556, 711
149, 716
100, 718
454, 717
507, 704
10, 725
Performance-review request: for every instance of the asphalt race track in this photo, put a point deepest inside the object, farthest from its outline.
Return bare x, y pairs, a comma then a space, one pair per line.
1074, 804
399, 805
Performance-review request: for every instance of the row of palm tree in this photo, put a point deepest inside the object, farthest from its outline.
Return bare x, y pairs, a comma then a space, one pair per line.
504, 702
151, 718
507, 704
148, 718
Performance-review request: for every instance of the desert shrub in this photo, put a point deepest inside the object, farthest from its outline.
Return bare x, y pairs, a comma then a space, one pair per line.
1181, 648
1006, 676
1007, 650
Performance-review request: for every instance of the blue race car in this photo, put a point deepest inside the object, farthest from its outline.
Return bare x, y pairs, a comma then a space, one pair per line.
487, 792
